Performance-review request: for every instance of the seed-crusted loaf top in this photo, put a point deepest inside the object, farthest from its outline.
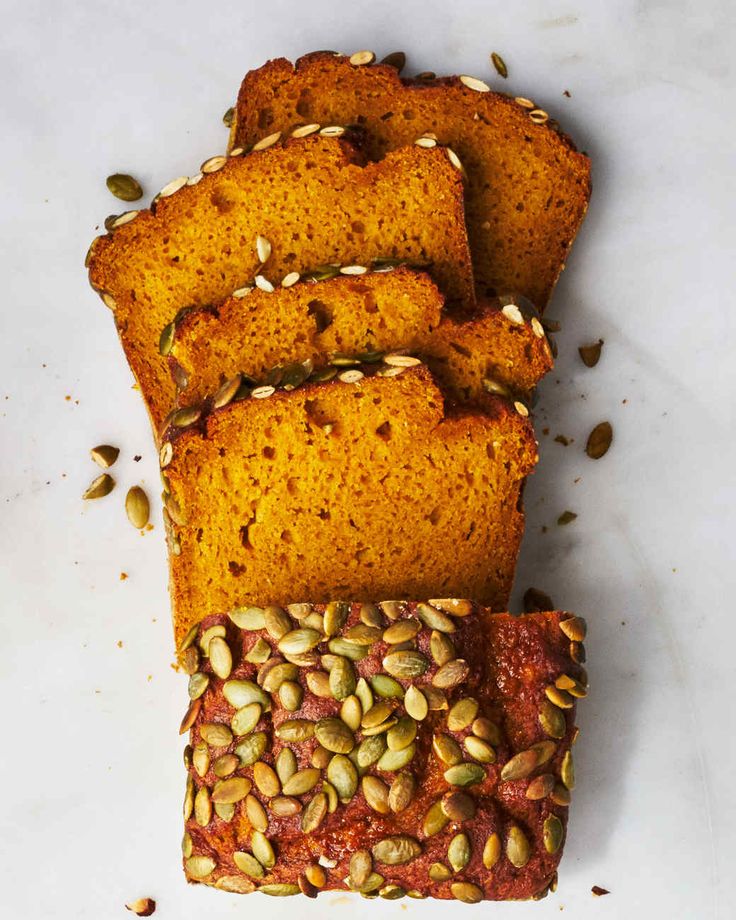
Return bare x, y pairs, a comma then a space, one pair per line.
527, 188
390, 749
349, 316
359, 485
314, 202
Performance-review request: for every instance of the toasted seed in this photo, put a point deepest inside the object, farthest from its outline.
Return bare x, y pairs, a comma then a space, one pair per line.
189, 638
342, 679
567, 771
298, 641
518, 849
290, 695
235, 884
406, 664
334, 735
124, 187
256, 814
392, 761
221, 657
370, 615
442, 648
316, 875
540, 787
230, 791
396, 59
462, 714
479, 750
436, 698
560, 795
474, 83
189, 660
99, 487
465, 774
492, 851
458, 852
286, 765
246, 718
393, 609
577, 652
376, 794
278, 624
447, 749
360, 634
392, 892
188, 798
364, 694
361, 58
435, 820
187, 845
377, 714
203, 807
297, 730
280, 890
415, 703
336, 613
466, 892
248, 863
125, 218
361, 866
435, 618
351, 712
456, 607
401, 631
206, 637
225, 765
240, 693
306, 887
513, 313
560, 698
104, 455
370, 750
275, 675
263, 248
197, 685
332, 798
340, 646
319, 684
520, 766
250, 618
590, 354
201, 758
187, 416
262, 849
342, 774
401, 792
402, 734
251, 748
302, 781
552, 720
225, 811
381, 728
499, 64
397, 850
371, 885
200, 866
386, 687
213, 164
451, 674
439, 872
599, 440
216, 733
552, 832
190, 716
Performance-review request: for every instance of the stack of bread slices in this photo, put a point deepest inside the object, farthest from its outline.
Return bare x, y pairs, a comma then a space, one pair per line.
336, 328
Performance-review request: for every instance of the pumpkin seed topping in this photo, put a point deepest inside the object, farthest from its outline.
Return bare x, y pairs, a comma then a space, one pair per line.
447, 749
297, 641
297, 730
361, 867
492, 851
124, 187
435, 619
221, 658
251, 748
301, 782
200, 866
462, 714
442, 648
376, 794
216, 733
520, 766
213, 164
241, 692
552, 832
351, 712
467, 892
197, 685
190, 716
599, 440
334, 735
203, 807
406, 664
265, 142
415, 703
479, 750
99, 487
451, 674
540, 787
439, 872
360, 58
590, 354
248, 864
246, 718
360, 634
256, 814
393, 761
465, 774
201, 758
291, 695
278, 890
475, 84
560, 698
262, 849
518, 849
456, 607
458, 852
230, 791
386, 687
458, 806
370, 750
402, 734
552, 720
225, 765
397, 850
341, 773
396, 59
567, 771
435, 820
336, 613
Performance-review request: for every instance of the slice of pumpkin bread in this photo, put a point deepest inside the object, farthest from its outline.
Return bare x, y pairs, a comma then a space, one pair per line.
527, 186
362, 485
288, 208
348, 316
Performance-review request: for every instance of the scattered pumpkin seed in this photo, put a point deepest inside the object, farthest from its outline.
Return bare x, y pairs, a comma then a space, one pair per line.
540, 787
280, 890
386, 687
203, 807
200, 866
351, 712
518, 849
451, 674
296, 730
575, 628
401, 631
401, 792
105, 455
567, 771
393, 761
197, 685
277, 623
567, 517
340, 646
458, 806
465, 774
302, 781
342, 774
479, 750
124, 187
435, 618
225, 765
230, 791
462, 714
396, 59
492, 851
455, 606
435, 820
397, 850
402, 734
190, 716
376, 794
370, 750
246, 718
99, 487
360, 58
334, 735
201, 758
591, 354
458, 852
276, 673
467, 892
221, 658
500, 65
216, 733
251, 748
447, 749
439, 872
599, 440
442, 648
342, 679
406, 664
415, 703
520, 766
360, 634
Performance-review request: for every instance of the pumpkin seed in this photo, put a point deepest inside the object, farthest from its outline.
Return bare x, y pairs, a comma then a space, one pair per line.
301, 782
590, 355
371, 616
545, 750
224, 811
401, 631
561, 698
335, 616
518, 849
225, 765
203, 807
436, 698
406, 664
364, 694
377, 714
567, 771
599, 440
520, 766
189, 638
277, 672
552, 720
187, 756
246, 719
552, 832
567, 517
360, 58
540, 787
360, 634
320, 757
334, 735
456, 607
99, 487
104, 455
230, 791
474, 83
381, 728
376, 794
439, 872
575, 628
393, 609
361, 866
458, 852
442, 648
290, 695
266, 779
340, 646
256, 814
124, 187
250, 618
397, 850
467, 892
396, 59
187, 416
462, 714
434, 618
402, 734
279, 890
189, 798
351, 712
560, 795
319, 684
248, 864
479, 750
332, 799
190, 716
465, 774
415, 703
235, 884
370, 750
216, 733
297, 730
189, 660
401, 792
286, 765
500, 65
435, 820
299, 611
285, 806
204, 640
277, 622
372, 884
342, 679
316, 876
451, 674
201, 758
447, 749
577, 652
342, 774
392, 892
221, 658
299, 641
386, 687
187, 845
262, 849
251, 748
200, 866
240, 693
492, 851
458, 806
392, 761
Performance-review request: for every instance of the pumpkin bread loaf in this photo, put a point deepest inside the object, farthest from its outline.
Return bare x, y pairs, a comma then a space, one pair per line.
391, 749
352, 316
362, 484
310, 200
527, 186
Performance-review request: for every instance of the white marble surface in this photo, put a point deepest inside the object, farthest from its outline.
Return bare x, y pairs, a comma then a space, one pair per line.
90, 765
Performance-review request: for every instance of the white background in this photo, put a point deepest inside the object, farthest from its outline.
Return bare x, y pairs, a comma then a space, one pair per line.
91, 772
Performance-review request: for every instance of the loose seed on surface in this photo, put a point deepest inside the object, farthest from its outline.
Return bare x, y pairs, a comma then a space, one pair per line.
105, 455
396, 59
221, 658
230, 791
401, 792
124, 187
590, 354
599, 440
479, 750
100, 487
458, 806
376, 794
447, 749
247, 863
540, 787
334, 735
341, 773
256, 814
451, 674
500, 65
406, 664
